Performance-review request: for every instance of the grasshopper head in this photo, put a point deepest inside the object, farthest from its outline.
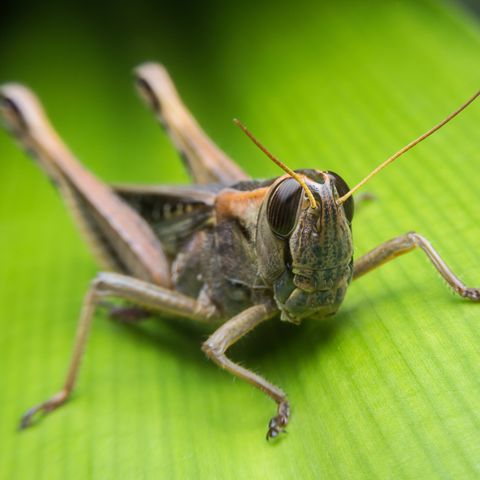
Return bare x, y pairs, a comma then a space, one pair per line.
304, 240
305, 251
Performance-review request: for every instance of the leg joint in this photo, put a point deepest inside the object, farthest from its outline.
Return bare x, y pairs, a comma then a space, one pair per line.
416, 238
413, 237
212, 349
101, 283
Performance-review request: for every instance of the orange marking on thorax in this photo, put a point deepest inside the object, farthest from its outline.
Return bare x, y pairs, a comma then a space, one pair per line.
234, 204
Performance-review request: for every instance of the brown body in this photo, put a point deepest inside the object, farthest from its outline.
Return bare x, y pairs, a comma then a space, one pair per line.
222, 252
227, 250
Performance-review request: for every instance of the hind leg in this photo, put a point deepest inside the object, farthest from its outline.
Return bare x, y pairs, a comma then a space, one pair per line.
119, 237
205, 162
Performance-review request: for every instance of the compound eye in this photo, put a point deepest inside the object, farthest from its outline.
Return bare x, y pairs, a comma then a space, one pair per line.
342, 189
283, 207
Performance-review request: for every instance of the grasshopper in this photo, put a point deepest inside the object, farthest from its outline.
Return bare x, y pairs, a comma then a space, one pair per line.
227, 251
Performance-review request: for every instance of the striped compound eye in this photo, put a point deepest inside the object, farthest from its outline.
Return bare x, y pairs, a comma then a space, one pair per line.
283, 207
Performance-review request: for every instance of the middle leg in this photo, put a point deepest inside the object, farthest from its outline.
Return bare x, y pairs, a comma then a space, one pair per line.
148, 296
405, 243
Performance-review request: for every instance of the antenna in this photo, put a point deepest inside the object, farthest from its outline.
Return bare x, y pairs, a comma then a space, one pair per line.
405, 149
274, 159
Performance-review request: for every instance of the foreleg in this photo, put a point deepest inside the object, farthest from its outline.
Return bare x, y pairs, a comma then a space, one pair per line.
229, 333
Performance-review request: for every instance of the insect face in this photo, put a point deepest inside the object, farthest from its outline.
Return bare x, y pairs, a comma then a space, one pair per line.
316, 245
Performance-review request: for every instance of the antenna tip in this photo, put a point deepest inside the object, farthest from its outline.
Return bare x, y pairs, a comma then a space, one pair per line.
238, 123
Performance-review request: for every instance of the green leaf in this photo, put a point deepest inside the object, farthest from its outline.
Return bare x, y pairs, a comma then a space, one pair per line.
388, 388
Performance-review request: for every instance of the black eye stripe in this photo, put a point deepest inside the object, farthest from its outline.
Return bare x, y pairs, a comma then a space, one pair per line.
342, 189
283, 207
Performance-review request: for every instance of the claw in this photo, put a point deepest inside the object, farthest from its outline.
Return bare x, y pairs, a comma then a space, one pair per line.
472, 294
26, 419
43, 408
278, 423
